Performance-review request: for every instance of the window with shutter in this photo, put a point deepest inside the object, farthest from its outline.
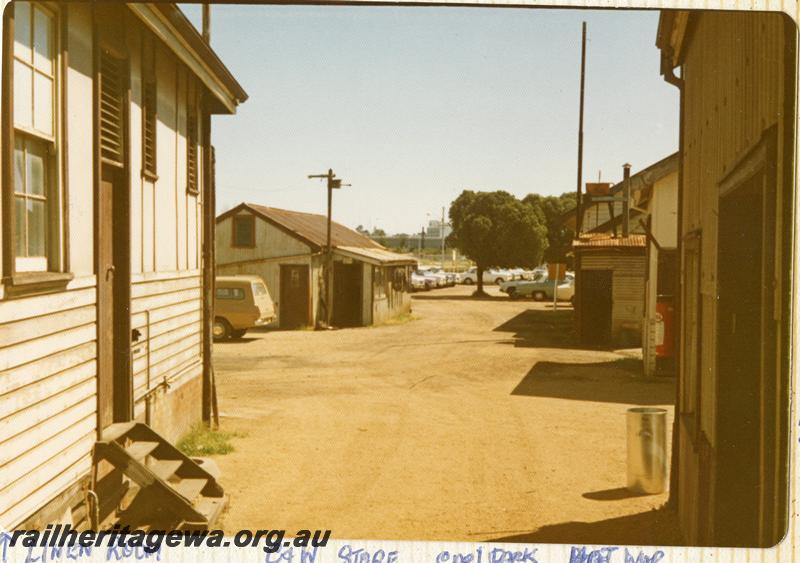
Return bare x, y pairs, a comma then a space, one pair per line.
149, 106
149, 129
191, 149
112, 87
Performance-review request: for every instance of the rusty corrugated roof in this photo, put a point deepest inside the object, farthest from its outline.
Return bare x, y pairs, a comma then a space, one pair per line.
377, 256
312, 228
603, 240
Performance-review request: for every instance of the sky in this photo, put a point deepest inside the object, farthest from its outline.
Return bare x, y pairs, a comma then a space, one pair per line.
412, 105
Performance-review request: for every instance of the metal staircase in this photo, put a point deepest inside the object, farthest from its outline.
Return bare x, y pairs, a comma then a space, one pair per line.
151, 484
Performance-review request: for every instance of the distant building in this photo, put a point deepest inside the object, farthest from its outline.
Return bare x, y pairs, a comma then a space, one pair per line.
609, 288
436, 231
287, 249
642, 283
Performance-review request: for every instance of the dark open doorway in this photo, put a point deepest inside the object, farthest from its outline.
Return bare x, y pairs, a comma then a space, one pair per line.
294, 296
347, 292
739, 356
596, 306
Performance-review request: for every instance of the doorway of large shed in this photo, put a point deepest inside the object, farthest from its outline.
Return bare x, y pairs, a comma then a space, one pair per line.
295, 302
347, 294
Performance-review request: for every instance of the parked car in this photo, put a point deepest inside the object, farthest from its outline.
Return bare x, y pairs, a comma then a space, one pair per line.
242, 302
449, 277
566, 290
441, 277
489, 276
431, 280
540, 288
418, 282
518, 273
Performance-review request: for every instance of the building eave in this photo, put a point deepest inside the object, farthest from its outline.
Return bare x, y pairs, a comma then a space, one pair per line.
672, 37
170, 25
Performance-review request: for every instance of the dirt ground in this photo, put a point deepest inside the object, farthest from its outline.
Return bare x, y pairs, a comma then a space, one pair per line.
479, 420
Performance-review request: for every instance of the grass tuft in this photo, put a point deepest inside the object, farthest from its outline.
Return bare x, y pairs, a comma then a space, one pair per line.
201, 440
401, 319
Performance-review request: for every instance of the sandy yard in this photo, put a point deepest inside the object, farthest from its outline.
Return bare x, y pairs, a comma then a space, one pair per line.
479, 420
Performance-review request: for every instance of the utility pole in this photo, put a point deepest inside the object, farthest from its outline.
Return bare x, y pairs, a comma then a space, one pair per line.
578, 210
333, 183
441, 233
207, 22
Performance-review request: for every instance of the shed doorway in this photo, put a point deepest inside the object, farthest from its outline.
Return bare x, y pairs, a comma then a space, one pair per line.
745, 405
596, 305
347, 294
294, 303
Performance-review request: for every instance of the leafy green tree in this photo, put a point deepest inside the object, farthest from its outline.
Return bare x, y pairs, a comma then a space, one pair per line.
402, 241
551, 209
495, 230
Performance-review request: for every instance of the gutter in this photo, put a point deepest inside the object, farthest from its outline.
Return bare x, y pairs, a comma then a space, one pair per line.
668, 73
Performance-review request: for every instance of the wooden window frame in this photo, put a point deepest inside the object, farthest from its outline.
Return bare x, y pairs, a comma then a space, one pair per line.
252, 220
149, 101
17, 282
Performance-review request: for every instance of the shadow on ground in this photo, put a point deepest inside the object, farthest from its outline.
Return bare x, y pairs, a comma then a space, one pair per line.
619, 493
617, 381
448, 297
543, 329
655, 527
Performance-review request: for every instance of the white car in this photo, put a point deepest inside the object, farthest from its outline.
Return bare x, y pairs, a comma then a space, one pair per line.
449, 277
431, 280
418, 282
470, 277
566, 291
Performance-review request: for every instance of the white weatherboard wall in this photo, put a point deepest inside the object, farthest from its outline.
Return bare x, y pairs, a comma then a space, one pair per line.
48, 342
166, 237
48, 359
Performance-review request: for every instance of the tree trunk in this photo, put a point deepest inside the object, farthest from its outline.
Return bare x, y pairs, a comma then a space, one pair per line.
479, 292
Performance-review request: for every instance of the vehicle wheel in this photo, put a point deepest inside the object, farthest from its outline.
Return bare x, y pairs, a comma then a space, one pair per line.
512, 293
498, 281
238, 333
221, 329
468, 281
539, 296
427, 286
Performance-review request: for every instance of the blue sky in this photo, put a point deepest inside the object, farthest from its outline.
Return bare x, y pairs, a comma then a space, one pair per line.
413, 105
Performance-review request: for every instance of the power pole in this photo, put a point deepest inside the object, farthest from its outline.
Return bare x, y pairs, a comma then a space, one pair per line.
207, 22
578, 210
333, 183
441, 234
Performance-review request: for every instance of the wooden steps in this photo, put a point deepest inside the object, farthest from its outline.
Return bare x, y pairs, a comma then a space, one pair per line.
140, 450
166, 468
169, 488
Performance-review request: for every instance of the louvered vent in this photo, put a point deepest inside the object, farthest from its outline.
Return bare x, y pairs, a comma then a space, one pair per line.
111, 100
191, 157
149, 127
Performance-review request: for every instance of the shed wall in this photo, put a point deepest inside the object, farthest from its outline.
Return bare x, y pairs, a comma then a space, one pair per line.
627, 289
273, 247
